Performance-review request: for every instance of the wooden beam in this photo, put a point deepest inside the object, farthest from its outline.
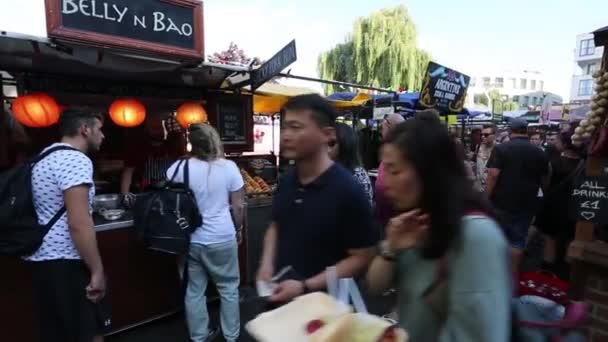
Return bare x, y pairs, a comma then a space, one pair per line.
583, 250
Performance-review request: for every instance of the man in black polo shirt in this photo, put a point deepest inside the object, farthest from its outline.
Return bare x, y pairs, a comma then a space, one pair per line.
320, 217
516, 170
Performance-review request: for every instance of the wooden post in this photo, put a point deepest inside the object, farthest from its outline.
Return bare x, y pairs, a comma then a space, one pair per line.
584, 229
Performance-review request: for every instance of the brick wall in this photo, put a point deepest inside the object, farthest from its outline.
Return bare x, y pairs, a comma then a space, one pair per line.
596, 295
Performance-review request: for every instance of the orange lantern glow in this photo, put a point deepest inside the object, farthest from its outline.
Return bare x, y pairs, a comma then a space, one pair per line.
36, 110
127, 112
190, 113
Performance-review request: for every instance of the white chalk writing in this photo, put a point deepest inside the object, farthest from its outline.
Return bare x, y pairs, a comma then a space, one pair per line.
590, 193
92, 8
164, 23
112, 12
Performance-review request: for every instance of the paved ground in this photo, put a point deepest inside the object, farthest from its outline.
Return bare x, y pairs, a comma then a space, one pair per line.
173, 329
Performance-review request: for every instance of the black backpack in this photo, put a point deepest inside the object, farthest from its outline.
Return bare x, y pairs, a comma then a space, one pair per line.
20, 233
167, 214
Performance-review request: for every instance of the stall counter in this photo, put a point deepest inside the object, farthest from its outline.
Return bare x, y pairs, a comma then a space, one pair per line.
143, 285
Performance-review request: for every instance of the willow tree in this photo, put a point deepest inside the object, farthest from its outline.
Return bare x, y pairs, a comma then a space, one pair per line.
381, 52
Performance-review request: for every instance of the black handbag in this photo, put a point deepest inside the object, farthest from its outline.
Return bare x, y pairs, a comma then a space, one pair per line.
167, 214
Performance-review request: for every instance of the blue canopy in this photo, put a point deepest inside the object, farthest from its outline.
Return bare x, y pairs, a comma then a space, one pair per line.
408, 100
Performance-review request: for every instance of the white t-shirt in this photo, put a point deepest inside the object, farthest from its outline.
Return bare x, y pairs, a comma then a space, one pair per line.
59, 171
212, 184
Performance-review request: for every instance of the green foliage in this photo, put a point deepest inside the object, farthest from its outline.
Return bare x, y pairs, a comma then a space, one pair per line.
481, 99
494, 94
380, 52
510, 106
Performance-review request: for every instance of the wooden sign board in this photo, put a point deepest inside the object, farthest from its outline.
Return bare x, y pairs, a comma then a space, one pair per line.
590, 199
165, 27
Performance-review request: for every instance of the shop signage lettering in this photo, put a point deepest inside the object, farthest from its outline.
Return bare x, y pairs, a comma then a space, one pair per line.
443, 89
162, 26
590, 199
102, 10
275, 65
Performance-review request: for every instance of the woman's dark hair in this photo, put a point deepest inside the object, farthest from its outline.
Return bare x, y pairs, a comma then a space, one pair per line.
348, 148
446, 192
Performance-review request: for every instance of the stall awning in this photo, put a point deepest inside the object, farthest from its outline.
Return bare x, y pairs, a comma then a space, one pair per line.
270, 97
357, 101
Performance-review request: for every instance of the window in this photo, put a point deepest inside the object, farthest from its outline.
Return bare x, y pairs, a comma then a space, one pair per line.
513, 83
473, 82
533, 85
534, 101
587, 47
486, 81
523, 83
590, 69
541, 85
499, 82
516, 98
585, 87
525, 101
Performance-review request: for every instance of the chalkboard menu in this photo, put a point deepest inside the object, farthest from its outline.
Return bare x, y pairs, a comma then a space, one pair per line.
232, 116
589, 201
443, 89
172, 27
231, 119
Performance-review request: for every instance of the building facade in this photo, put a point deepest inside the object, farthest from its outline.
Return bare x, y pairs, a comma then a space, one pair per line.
525, 87
587, 60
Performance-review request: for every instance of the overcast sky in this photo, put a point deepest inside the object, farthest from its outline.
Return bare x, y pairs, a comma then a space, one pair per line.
471, 36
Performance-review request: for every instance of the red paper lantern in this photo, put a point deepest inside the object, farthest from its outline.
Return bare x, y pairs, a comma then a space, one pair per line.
190, 113
36, 110
127, 112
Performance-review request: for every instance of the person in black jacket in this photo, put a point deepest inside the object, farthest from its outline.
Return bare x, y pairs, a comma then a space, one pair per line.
553, 219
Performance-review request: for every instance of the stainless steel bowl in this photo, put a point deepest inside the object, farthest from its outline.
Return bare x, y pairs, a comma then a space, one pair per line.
107, 202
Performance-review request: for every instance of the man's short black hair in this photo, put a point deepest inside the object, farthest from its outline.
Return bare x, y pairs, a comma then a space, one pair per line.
490, 126
72, 118
323, 113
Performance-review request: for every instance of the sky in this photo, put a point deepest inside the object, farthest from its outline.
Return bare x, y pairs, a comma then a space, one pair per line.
471, 36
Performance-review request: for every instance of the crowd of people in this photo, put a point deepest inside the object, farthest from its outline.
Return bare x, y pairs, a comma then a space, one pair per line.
444, 229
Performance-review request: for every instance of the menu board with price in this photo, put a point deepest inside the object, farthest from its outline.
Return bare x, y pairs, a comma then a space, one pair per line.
231, 118
590, 199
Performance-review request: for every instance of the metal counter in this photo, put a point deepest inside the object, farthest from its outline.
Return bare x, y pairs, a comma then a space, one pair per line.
102, 224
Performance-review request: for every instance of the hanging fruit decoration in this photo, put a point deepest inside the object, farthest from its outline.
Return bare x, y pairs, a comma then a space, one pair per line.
127, 112
190, 113
596, 118
36, 110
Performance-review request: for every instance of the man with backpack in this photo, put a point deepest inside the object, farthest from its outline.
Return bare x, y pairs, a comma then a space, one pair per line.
67, 270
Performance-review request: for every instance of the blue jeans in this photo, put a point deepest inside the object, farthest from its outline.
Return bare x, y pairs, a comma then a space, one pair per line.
218, 263
517, 227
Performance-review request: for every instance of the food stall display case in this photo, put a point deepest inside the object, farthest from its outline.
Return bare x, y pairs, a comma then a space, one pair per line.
81, 65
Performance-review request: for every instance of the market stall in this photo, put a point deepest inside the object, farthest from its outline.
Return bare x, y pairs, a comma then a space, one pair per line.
589, 205
113, 68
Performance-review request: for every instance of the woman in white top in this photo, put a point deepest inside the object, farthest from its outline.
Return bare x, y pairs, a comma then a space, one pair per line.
218, 187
